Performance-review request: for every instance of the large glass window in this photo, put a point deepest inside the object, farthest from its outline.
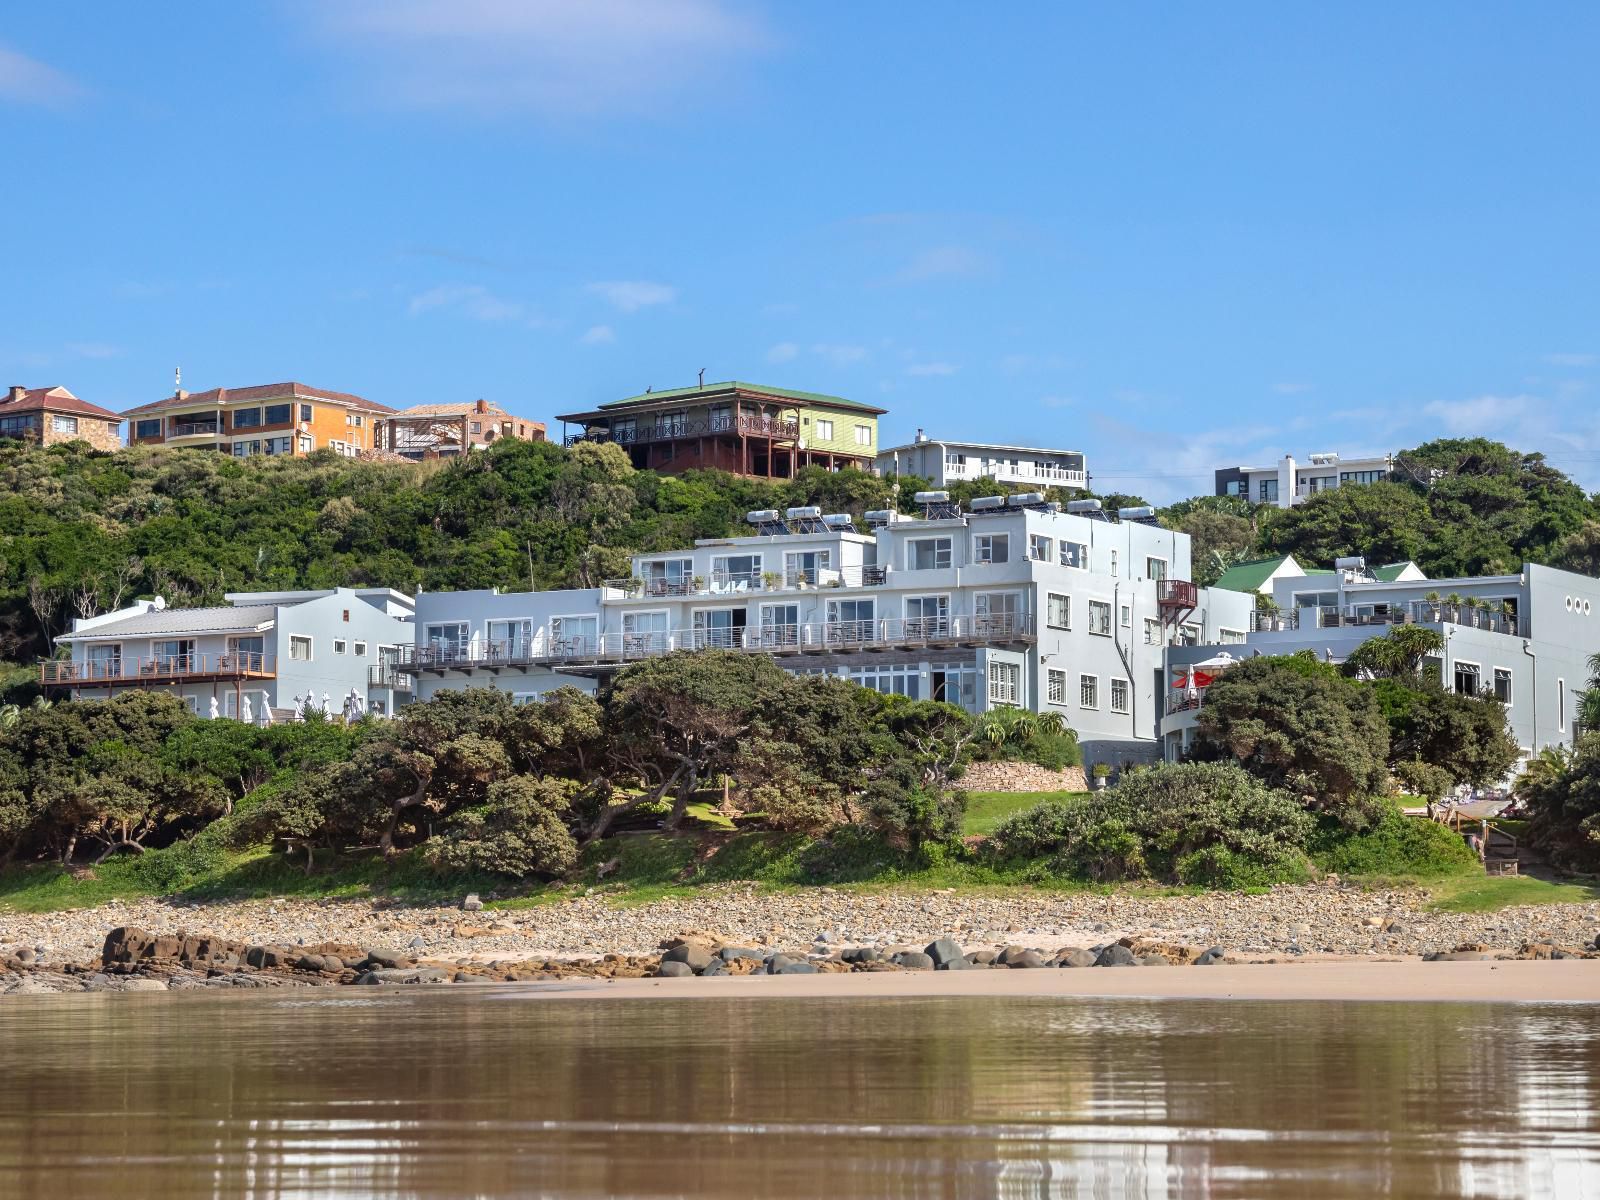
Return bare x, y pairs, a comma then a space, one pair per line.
927, 616
574, 635
992, 548
928, 554
448, 640
644, 632
246, 418
1268, 491
735, 572
1075, 554
668, 577
511, 639
805, 566
63, 424
1100, 618
1155, 568
300, 647
780, 625
146, 429
1058, 611
850, 620
277, 414
720, 628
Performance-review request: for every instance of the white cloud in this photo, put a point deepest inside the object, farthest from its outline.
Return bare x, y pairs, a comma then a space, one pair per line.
783, 352
631, 295
25, 80
1017, 364
551, 57
1572, 360
839, 355
598, 335
942, 262
932, 368
471, 299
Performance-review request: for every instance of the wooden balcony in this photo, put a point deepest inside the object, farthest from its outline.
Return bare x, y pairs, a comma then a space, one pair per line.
672, 430
166, 669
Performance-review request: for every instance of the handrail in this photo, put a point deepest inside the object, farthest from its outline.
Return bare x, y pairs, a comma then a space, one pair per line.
668, 431
232, 665
802, 637
719, 583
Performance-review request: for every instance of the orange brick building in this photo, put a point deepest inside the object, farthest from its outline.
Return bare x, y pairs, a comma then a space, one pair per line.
270, 418
50, 416
442, 430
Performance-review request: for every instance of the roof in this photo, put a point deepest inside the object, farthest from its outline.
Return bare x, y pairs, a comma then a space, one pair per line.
173, 621
53, 400
732, 388
217, 397
1249, 576
1390, 572
974, 446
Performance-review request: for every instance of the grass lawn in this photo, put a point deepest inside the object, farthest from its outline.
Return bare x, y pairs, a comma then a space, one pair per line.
985, 810
1486, 893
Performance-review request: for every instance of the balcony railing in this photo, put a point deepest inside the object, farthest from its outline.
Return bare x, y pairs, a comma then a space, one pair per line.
812, 637
159, 669
1420, 612
723, 583
389, 677
1022, 473
193, 429
1176, 593
749, 424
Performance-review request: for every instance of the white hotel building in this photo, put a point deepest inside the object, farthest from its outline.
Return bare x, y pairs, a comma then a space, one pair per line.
1288, 482
1012, 604
942, 463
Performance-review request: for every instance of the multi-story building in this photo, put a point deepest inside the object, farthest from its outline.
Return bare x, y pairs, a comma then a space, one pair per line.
942, 463
262, 656
271, 418
49, 416
1261, 575
745, 428
1524, 638
1290, 482
1013, 603
442, 430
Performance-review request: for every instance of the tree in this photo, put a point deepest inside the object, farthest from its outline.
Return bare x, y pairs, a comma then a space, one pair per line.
1218, 541
1589, 701
1385, 522
1397, 654
1465, 736
519, 830
1297, 724
1564, 799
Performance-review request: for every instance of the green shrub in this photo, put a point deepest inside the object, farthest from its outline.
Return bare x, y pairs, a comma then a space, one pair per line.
1219, 867
1395, 845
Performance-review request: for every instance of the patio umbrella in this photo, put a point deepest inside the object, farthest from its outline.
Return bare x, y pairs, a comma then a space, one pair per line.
245, 713
213, 713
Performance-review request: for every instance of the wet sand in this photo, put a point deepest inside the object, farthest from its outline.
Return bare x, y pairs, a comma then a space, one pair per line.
1561, 981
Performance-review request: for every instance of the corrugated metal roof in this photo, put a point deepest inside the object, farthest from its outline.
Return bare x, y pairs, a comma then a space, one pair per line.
174, 621
1249, 576
712, 391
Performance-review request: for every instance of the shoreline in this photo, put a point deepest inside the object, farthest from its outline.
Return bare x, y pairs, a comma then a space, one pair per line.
1363, 981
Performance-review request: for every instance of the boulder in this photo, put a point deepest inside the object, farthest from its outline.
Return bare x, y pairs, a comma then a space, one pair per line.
981, 958
694, 955
913, 960
1211, 957
957, 964
1027, 959
674, 970
1154, 960
1116, 955
730, 953
795, 967
471, 903
1077, 958
943, 951
393, 959
716, 967
1005, 956
777, 963
310, 962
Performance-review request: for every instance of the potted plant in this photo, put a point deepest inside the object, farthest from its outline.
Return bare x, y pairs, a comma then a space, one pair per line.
1271, 616
771, 580
635, 586
1099, 776
1432, 601
698, 583
1452, 607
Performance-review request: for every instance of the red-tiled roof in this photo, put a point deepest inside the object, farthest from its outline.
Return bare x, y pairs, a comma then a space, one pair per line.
53, 400
263, 391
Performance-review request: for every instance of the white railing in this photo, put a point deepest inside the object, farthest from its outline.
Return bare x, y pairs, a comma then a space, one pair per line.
726, 583
160, 668
1021, 473
810, 637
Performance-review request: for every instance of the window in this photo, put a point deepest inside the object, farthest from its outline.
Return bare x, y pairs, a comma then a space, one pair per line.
780, 625
338, 645
992, 548
1088, 691
805, 566
1466, 679
897, 680
246, 418
61, 424
305, 412
824, 430
1113, 562
243, 449
277, 445
1075, 555
863, 435
1125, 617
1152, 632
477, 427
721, 628
954, 683
996, 612
151, 428
1039, 547
361, 649
1119, 695
355, 420
1058, 611
1005, 683
927, 616
1155, 568
927, 554
1561, 705
277, 414
1056, 687
305, 443
1231, 637
735, 572
448, 641
850, 620
1268, 491
668, 577
1100, 618
523, 699
574, 635
1361, 476
300, 648
1502, 685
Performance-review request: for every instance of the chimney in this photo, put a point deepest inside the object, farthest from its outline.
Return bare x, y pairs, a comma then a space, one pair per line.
482, 406
16, 392
921, 437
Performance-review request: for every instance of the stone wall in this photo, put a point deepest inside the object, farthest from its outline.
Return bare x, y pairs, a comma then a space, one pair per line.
1021, 777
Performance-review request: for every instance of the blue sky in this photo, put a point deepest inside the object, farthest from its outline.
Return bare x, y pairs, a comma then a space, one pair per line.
1172, 237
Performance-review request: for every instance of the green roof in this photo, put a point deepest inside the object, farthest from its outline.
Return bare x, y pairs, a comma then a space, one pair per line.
1249, 576
1390, 572
712, 389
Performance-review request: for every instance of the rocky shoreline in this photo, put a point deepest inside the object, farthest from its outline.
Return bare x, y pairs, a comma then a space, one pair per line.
173, 944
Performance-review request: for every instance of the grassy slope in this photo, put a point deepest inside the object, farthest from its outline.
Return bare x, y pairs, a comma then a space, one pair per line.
985, 810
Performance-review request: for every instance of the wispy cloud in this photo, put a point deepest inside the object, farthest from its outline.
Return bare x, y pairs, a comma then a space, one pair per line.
598, 335
1572, 360
25, 80
839, 355
549, 57
93, 350
927, 369
470, 299
1019, 364
942, 262
783, 352
631, 295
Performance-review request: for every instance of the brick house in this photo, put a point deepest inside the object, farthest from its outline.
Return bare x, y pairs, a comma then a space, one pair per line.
50, 416
271, 418
442, 430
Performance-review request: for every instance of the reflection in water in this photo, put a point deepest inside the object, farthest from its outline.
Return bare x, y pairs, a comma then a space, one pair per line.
442, 1093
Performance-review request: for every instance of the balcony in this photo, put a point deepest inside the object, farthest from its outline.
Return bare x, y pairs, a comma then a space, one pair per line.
388, 677
1177, 594
807, 638
1036, 473
1417, 612
179, 429
673, 430
734, 583
175, 668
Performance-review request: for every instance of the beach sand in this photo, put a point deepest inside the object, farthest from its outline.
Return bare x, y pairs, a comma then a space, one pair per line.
1507, 981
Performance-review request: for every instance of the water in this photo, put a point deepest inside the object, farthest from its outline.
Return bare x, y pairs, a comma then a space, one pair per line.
459, 1092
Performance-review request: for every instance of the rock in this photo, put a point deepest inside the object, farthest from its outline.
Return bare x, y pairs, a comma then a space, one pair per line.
716, 967
695, 955
913, 960
1154, 960
471, 903
1028, 958
1078, 958
730, 953
827, 937
392, 959
1373, 922
417, 944
1211, 957
674, 970
957, 964
404, 975
1456, 956
943, 951
141, 984
1006, 955
25, 955
1116, 955
778, 962
793, 967
310, 962
332, 962
981, 958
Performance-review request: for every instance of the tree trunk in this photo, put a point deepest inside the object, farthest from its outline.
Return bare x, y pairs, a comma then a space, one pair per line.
681, 803
610, 813
120, 844
70, 848
386, 842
